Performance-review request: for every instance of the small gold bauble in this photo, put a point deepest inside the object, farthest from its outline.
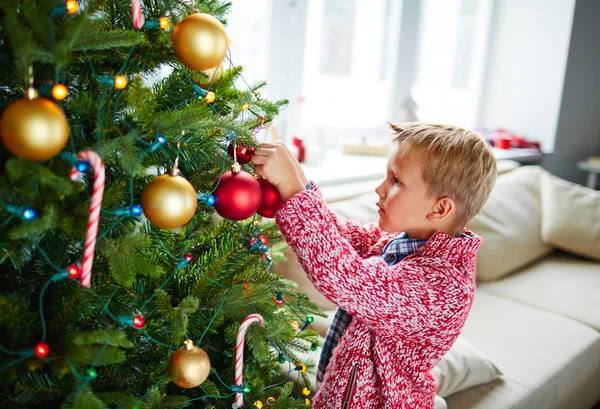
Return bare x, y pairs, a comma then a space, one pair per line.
169, 201
189, 366
213, 75
200, 41
34, 129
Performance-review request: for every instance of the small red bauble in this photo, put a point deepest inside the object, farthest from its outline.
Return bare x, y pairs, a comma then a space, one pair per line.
237, 196
244, 154
42, 350
271, 199
138, 321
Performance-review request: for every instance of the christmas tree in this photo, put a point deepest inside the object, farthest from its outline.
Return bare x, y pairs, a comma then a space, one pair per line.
121, 286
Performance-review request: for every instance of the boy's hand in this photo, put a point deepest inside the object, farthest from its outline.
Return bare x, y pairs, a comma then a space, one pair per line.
299, 170
273, 162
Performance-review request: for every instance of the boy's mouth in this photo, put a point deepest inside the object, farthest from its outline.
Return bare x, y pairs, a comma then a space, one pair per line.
380, 208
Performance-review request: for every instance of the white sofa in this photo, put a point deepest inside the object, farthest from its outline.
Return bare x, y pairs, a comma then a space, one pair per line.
536, 313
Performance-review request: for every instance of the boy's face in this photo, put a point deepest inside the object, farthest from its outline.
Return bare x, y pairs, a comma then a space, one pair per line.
403, 205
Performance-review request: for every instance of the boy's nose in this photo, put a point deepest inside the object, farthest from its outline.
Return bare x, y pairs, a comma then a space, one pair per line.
379, 190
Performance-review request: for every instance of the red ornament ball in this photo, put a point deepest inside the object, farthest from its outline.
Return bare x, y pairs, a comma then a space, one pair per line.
243, 153
42, 350
237, 196
138, 321
271, 199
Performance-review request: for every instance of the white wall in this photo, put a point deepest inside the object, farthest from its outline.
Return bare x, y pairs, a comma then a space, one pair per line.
578, 129
523, 84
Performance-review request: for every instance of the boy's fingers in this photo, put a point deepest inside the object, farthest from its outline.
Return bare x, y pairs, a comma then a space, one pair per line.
259, 160
258, 169
263, 151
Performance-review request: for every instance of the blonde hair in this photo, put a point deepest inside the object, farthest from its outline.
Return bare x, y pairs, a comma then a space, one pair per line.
458, 164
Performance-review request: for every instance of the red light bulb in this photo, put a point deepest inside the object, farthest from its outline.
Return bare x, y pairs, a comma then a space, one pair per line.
138, 321
264, 239
42, 350
279, 302
74, 271
188, 257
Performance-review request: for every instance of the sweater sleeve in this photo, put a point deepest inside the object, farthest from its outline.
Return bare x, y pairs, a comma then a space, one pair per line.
361, 237
400, 299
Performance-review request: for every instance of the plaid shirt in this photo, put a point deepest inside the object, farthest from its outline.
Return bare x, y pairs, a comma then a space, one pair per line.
393, 252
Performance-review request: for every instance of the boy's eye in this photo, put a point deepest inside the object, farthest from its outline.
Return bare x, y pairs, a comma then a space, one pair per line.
396, 181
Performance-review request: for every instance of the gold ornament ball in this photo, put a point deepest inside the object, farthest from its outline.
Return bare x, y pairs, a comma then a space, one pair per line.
213, 75
200, 41
189, 366
34, 129
169, 201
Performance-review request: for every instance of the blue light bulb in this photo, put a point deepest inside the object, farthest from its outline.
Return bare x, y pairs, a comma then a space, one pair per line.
211, 200
83, 166
161, 139
136, 210
29, 214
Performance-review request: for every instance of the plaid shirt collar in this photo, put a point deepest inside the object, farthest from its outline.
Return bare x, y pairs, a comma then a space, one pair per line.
393, 252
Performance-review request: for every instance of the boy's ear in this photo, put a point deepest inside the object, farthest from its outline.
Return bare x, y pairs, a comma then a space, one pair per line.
442, 209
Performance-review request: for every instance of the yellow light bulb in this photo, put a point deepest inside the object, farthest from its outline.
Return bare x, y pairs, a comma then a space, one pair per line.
210, 97
59, 92
229, 41
245, 107
163, 23
270, 401
72, 6
306, 391
120, 82
307, 402
258, 404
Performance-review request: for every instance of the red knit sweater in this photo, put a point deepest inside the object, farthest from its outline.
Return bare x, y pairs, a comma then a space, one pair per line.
405, 316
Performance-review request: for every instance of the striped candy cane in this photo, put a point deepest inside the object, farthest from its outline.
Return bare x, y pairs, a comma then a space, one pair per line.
136, 14
239, 354
94, 218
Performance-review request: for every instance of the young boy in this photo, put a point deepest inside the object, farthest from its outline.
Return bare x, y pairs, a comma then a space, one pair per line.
403, 298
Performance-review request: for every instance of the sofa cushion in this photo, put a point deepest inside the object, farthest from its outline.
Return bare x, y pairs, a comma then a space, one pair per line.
570, 216
547, 360
510, 224
560, 282
463, 367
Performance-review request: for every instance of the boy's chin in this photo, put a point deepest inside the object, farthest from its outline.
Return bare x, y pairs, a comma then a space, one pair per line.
386, 227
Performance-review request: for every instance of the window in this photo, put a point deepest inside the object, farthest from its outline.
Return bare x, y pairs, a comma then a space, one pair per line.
451, 60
